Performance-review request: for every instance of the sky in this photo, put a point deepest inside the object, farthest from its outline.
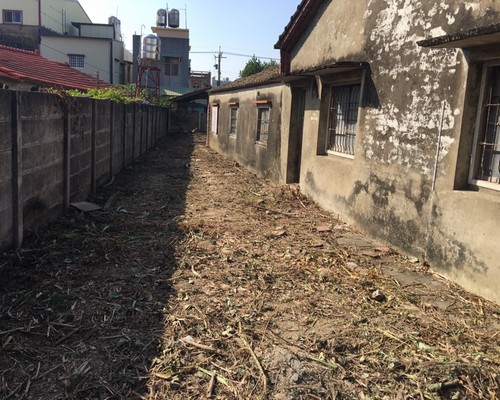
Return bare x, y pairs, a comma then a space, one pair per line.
246, 27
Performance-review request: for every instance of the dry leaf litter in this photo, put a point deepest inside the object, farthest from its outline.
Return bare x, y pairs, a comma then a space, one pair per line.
199, 280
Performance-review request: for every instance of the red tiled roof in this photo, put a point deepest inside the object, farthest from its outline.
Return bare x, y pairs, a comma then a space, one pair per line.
29, 66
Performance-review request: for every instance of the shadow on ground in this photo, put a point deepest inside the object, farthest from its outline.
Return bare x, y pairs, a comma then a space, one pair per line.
81, 304
201, 280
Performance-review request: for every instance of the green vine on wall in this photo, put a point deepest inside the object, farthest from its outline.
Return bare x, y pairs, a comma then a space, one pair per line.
120, 93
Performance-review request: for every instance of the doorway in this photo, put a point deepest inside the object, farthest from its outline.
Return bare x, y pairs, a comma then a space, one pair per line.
296, 133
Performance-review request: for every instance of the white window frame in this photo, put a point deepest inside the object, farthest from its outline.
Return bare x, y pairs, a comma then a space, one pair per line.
214, 119
263, 123
479, 131
233, 109
350, 149
76, 61
12, 13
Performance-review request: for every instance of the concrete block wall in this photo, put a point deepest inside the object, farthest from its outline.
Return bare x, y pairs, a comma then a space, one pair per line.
118, 137
187, 120
102, 141
130, 132
41, 133
80, 133
5, 168
56, 150
144, 127
138, 130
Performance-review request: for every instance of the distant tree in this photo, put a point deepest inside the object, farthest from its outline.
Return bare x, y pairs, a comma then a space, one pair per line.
254, 65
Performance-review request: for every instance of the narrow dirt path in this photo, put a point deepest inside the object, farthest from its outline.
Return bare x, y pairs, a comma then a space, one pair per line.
200, 280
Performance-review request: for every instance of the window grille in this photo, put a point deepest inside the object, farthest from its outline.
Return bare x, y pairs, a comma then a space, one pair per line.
76, 60
489, 166
343, 118
263, 124
233, 121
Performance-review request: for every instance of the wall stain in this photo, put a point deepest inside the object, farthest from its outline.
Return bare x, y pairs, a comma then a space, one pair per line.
382, 190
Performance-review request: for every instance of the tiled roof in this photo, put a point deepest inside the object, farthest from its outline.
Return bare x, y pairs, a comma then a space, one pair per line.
299, 21
268, 75
29, 66
479, 35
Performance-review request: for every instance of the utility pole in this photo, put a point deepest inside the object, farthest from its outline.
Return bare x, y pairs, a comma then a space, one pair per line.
218, 57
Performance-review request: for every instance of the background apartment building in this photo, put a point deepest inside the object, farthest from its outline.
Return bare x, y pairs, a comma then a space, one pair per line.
62, 31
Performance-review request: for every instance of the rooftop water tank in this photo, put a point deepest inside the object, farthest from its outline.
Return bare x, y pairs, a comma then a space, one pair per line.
117, 24
173, 18
161, 17
150, 48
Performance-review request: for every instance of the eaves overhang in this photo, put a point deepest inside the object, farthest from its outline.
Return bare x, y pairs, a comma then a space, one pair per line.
267, 77
231, 88
201, 94
480, 36
324, 69
297, 75
298, 24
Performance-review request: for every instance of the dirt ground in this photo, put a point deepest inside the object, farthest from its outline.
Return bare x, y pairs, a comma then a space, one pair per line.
199, 280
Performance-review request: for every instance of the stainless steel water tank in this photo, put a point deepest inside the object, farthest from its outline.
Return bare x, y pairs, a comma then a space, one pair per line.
173, 18
161, 17
150, 48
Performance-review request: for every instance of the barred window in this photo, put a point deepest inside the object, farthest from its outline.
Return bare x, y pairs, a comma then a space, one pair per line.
489, 166
343, 118
76, 60
233, 120
263, 124
485, 162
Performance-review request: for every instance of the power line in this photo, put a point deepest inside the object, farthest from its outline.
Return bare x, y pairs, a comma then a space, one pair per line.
246, 55
65, 54
235, 54
218, 56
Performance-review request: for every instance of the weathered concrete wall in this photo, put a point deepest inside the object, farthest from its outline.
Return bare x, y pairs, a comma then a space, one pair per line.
386, 188
117, 137
187, 121
103, 141
264, 159
138, 124
41, 122
21, 36
130, 132
80, 127
5, 168
55, 150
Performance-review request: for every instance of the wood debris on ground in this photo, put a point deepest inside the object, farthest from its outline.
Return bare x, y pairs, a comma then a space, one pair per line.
198, 280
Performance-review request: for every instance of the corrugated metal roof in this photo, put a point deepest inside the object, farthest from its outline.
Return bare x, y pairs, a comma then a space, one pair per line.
29, 66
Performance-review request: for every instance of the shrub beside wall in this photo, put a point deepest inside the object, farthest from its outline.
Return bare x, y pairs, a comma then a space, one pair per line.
55, 150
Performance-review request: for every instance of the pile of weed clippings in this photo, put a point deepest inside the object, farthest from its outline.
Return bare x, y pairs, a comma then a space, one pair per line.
200, 280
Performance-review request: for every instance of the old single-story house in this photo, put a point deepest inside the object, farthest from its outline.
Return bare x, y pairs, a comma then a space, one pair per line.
246, 121
387, 113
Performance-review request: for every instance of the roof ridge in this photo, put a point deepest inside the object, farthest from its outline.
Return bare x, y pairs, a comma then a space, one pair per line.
33, 52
